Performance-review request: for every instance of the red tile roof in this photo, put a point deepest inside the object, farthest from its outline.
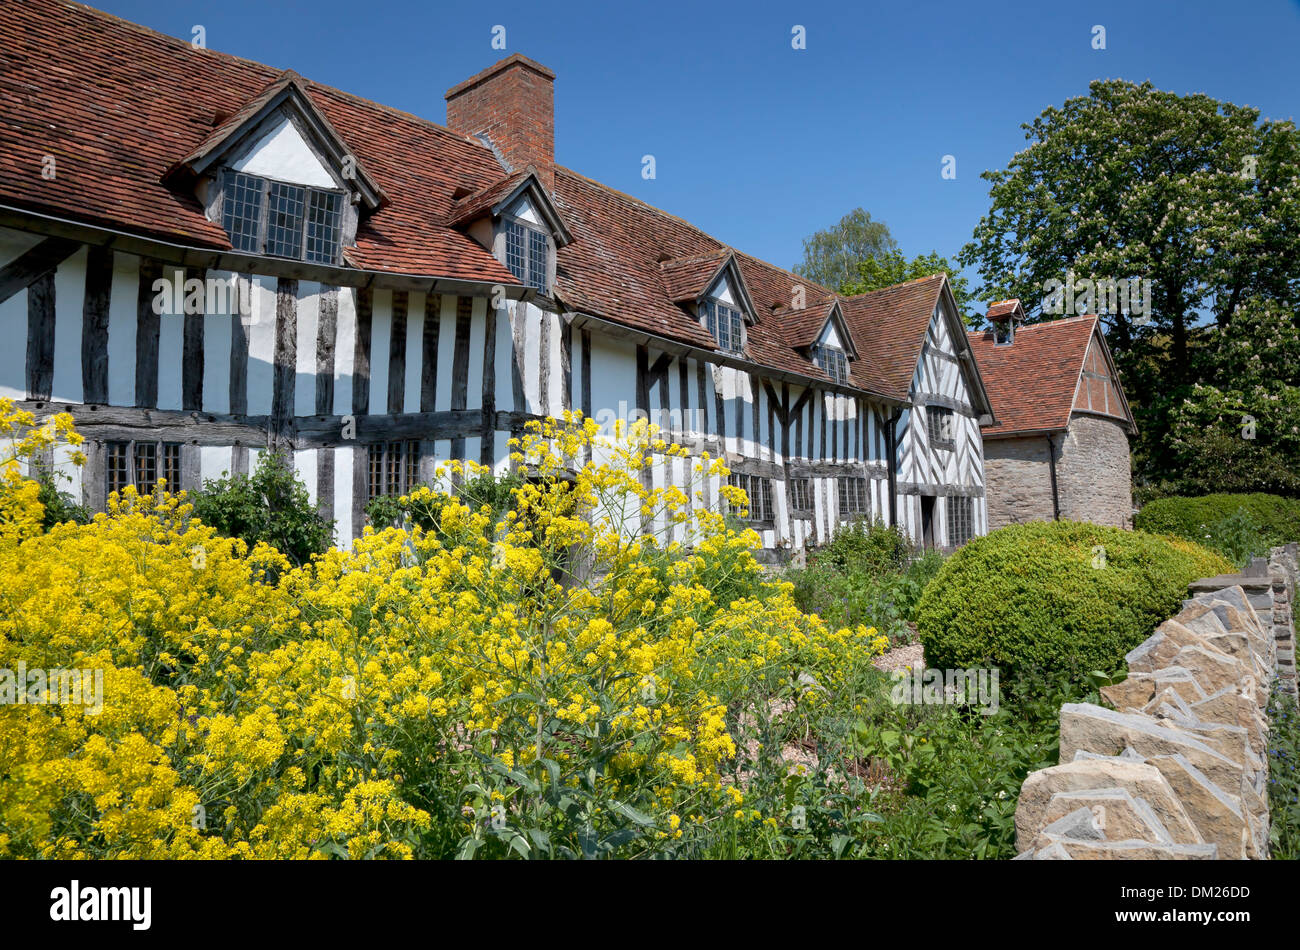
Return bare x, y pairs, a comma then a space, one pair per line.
1031, 382
1001, 308
119, 105
687, 278
893, 322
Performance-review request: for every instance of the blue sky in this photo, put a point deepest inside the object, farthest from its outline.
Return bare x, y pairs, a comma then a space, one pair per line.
755, 142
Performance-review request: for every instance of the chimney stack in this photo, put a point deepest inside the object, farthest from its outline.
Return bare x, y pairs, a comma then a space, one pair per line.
512, 104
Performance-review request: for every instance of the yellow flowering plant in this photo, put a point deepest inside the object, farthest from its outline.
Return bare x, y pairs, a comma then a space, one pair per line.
599, 668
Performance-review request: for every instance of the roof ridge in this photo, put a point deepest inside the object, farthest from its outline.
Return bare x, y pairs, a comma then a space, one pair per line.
279, 73
723, 246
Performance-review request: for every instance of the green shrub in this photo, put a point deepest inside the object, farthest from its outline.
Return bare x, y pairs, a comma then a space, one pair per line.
870, 546
59, 505
271, 505
1063, 596
1237, 526
865, 576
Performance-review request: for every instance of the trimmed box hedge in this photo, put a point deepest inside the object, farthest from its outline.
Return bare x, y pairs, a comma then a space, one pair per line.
1194, 518
1065, 597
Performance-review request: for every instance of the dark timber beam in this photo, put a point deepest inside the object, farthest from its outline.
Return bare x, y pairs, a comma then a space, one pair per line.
35, 263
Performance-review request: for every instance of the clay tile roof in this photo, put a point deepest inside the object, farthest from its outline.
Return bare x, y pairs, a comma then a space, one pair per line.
1001, 308
120, 105
893, 323
687, 278
480, 202
1031, 382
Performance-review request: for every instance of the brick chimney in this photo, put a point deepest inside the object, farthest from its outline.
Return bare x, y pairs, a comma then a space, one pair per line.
512, 104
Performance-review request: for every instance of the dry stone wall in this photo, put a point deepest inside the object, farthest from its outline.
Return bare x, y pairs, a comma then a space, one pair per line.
1176, 764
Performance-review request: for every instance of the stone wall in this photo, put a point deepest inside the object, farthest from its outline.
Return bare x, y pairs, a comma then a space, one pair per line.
1092, 476
1017, 481
1093, 473
1177, 766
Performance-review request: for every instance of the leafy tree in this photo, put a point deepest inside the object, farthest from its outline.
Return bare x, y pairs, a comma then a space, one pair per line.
271, 505
1129, 182
892, 267
831, 257
1239, 431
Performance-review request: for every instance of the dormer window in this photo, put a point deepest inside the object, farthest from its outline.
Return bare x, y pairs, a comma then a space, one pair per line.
726, 324
264, 216
527, 254
832, 361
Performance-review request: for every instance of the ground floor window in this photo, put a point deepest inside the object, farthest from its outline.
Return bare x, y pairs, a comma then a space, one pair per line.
760, 495
394, 468
854, 498
141, 464
800, 494
960, 519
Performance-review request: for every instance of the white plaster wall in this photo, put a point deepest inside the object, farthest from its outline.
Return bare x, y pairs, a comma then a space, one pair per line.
69, 299
282, 154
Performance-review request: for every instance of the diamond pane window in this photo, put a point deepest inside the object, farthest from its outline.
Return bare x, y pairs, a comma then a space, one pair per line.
324, 226
284, 214
800, 495
853, 496
959, 521
393, 469
116, 475
284, 220
832, 361
939, 425
537, 260
146, 465
527, 254
243, 212
759, 491
171, 465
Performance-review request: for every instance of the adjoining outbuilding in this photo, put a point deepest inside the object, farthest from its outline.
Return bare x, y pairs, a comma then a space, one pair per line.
1059, 445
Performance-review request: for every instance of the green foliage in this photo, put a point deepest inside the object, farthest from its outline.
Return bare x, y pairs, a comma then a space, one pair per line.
59, 505
1129, 181
271, 505
831, 257
1064, 596
955, 773
1238, 429
891, 267
1237, 526
1197, 196
1284, 778
871, 546
867, 575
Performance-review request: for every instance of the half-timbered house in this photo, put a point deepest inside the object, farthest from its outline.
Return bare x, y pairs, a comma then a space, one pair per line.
204, 258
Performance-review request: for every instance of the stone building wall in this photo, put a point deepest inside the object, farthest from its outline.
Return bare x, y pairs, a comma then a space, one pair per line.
1093, 472
1092, 476
1017, 481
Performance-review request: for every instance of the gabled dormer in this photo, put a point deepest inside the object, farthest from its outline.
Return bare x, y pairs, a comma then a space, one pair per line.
713, 288
833, 348
516, 220
279, 178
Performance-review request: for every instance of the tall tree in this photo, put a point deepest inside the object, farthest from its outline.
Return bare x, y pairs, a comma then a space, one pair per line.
1195, 195
891, 267
831, 257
